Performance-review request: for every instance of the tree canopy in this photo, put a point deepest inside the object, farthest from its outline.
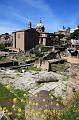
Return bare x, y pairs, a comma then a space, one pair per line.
2, 46
75, 34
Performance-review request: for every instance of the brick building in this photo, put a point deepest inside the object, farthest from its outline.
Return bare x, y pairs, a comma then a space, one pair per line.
27, 39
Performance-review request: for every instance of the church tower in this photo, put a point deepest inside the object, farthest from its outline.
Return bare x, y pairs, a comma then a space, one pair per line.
29, 25
40, 27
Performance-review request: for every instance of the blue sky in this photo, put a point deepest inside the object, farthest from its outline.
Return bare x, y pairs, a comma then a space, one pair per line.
15, 14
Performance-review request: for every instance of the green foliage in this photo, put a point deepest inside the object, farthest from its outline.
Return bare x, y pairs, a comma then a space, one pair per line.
2, 46
58, 67
12, 101
5, 93
2, 58
3, 118
46, 49
20, 93
75, 34
33, 69
30, 69
71, 112
47, 108
38, 54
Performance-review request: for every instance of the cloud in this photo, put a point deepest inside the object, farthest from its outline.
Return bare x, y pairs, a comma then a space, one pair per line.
39, 4
15, 15
73, 20
9, 27
10, 19
4, 29
10, 12
52, 22
20, 17
41, 8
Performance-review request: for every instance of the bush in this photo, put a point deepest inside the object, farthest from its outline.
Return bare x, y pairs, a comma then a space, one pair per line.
71, 112
2, 46
2, 58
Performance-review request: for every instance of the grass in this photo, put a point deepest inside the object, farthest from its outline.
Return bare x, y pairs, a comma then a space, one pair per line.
30, 69
59, 67
34, 69
42, 105
13, 101
8, 94
10, 97
5, 93
2, 58
24, 57
65, 78
68, 112
20, 93
46, 49
71, 112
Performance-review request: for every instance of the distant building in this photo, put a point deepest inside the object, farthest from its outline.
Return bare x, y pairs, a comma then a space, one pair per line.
62, 35
64, 31
29, 38
6, 39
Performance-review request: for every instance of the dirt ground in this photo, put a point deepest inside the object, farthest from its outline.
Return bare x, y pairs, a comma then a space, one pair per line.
71, 60
73, 81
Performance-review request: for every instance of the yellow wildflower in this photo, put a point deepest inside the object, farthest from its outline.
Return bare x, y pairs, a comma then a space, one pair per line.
14, 100
0, 108
4, 108
19, 110
9, 113
13, 106
43, 116
46, 111
6, 111
24, 95
36, 104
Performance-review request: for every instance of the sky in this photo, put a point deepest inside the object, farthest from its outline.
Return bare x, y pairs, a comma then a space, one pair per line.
15, 14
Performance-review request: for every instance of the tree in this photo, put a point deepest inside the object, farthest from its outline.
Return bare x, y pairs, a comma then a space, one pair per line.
2, 46
75, 34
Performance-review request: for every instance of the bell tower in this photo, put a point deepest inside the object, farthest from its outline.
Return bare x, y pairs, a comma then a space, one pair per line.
29, 25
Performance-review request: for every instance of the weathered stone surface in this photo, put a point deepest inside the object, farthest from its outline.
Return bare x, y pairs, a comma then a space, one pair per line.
28, 80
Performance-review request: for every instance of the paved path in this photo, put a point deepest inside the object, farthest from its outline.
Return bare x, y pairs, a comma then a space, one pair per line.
71, 59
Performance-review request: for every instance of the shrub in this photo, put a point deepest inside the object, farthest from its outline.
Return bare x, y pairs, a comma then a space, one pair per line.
71, 112
2, 46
